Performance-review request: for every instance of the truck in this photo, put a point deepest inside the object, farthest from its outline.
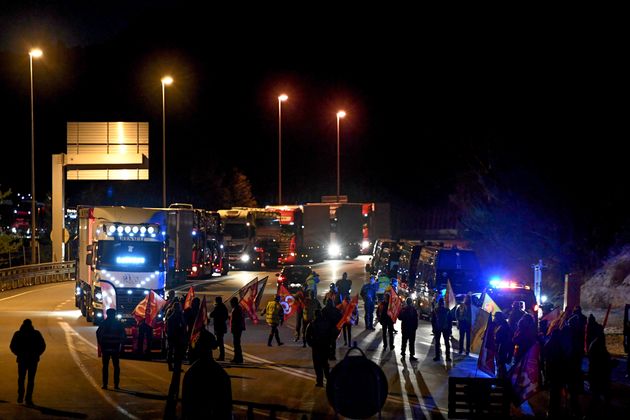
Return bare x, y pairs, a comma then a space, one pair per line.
208, 250
252, 237
291, 245
121, 257
376, 224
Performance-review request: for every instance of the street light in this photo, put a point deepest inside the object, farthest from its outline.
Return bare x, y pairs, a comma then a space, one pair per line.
281, 99
340, 114
34, 53
166, 81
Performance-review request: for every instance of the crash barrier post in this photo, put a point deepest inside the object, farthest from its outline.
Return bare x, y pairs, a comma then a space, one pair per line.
478, 398
34, 274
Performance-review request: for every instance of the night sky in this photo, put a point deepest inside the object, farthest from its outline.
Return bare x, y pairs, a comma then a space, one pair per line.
429, 98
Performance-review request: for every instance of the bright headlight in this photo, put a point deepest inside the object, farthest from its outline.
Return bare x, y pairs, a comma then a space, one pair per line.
245, 258
414, 295
334, 250
365, 244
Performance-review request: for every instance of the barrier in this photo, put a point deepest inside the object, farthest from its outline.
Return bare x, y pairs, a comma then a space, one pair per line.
486, 398
34, 274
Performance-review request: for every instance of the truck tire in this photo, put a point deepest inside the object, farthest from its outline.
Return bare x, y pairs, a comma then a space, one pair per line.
88, 310
82, 304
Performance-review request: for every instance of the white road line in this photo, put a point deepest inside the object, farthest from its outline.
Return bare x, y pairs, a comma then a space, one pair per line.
69, 333
291, 371
30, 291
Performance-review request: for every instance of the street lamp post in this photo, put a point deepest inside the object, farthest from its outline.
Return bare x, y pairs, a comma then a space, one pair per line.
281, 99
34, 53
166, 81
340, 114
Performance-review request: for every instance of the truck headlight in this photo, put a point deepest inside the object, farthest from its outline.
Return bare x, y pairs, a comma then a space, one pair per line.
365, 244
414, 295
98, 295
334, 250
245, 258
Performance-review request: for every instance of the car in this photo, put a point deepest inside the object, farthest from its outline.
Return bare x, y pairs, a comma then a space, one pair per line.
293, 277
505, 293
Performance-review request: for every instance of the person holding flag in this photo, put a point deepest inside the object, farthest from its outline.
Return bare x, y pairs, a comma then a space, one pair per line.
386, 322
350, 317
145, 314
237, 326
503, 342
274, 315
201, 320
311, 305
220, 316
485, 362
442, 323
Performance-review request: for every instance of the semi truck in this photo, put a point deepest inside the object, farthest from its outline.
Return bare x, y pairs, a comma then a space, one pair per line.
291, 244
208, 253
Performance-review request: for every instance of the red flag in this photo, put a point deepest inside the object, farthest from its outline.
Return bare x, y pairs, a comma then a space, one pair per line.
485, 362
524, 375
395, 305
347, 311
606, 317
248, 300
287, 301
149, 308
200, 323
449, 298
189, 298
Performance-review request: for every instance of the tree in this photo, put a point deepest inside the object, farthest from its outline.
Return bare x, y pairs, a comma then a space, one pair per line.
241, 190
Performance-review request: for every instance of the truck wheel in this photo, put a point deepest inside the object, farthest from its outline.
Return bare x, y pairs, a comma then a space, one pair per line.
224, 271
88, 310
82, 305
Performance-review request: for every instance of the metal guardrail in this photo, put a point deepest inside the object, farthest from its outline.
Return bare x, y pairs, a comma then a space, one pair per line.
34, 274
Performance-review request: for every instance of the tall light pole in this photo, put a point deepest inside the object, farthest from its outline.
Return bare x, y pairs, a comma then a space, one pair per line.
166, 81
34, 53
340, 114
281, 99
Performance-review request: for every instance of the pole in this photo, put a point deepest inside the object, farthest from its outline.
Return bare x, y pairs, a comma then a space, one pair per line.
33, 202
338, 182
163, 149
279, 151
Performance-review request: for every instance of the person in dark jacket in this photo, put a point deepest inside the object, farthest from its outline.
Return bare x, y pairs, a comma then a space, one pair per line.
464, 324
237, 326
206, 388
599, 370
220, 316
176, 336
368, 294
515, 315
332, 315
386, 322
555, 371
525, 336
344, 286
442, 324
318, 337
409, 319
503, 341
28, 345
111, 336
311, 305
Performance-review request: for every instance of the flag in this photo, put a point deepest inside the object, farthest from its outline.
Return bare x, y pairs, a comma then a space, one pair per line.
524, 375
248, 298
287, 301
347, 313
478, 329
490, 305
200, 323
449, 298
485, 362
189, 298
558, 322
606, 317
395, 305
149, 308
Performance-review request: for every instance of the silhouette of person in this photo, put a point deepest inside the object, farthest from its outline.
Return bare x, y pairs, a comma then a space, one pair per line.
206, 389
28, 345
176, 336
220, 316
110, 336
237, 326
318, 337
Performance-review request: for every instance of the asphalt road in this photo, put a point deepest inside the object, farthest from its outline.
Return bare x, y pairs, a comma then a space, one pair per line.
69, 374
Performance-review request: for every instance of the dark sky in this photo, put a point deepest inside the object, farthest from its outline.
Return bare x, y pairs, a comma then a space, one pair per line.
427, 96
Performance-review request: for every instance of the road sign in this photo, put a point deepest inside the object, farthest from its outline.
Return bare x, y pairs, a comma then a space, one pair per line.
65, 235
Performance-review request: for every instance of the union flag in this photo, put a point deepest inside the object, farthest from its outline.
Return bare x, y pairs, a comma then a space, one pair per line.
200, 323
347, 311
395, 305
189, 298
248, 300
287, 301
524, 375
149, 308
485, 363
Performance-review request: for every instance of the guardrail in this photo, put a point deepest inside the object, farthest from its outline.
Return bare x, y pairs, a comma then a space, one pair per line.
34, 274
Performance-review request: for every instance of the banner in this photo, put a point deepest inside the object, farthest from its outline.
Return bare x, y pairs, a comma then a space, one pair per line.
395, 305
189, 298
485, 363
347, 312
200, 323
248, 296
149, 308
478, 329
449, 299
287, 301
524, 375
490, 305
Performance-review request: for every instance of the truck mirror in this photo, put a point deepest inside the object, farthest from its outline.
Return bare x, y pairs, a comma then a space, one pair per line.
89, 248
88, 259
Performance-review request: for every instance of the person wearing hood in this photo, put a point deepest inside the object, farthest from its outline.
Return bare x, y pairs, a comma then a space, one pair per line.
28, 345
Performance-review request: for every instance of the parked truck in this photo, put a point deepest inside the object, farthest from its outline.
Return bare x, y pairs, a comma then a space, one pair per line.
208, 253
291, 244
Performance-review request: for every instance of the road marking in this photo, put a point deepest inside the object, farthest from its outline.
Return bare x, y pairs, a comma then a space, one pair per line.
73, 352
30, 291
270, 364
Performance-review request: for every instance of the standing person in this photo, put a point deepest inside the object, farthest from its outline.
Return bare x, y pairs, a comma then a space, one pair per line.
274, 315
409, 319
311, 283
110, 336
383, 284
318, 337
332, 315
28, 345
524, 337
311, 305
299, 320
347, 327
442, 323
332, 295
464, 324
368, 294
599, 369
237, 325
206, 388
503, 340
220, 316
555, 373
145, 339
344, 286
176, 336
515, 315
386, 322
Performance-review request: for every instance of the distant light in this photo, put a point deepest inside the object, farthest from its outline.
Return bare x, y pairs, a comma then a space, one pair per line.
150, 229
334, 250
119, 316
283, 97
365, 244
245, 258
36, 53
129, 292
341, 114
130, 260
167, 80
543, 298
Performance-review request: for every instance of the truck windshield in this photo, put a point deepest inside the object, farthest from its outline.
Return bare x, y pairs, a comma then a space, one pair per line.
129, 256
235, 230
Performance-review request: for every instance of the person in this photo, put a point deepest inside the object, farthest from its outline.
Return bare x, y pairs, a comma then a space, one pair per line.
383, 284
28, 345
386, 322
110, 336
368, 294
206, 388
524, 337
311, 282
145, 339
554, 368
220, 316
515, 315
333, 295
332, 316
464, 324
409, 319
299, 312
347, 326
593, 330
237, 326
176, 336
318, 338
274, 315
311, 305
344, 285
442, 324
599, 370
503, 341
